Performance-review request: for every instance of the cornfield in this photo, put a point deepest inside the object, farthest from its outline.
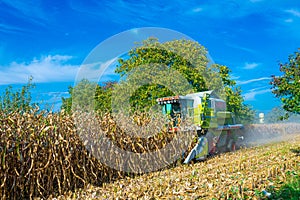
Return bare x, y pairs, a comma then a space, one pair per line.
245, 174
51, 154
44, 154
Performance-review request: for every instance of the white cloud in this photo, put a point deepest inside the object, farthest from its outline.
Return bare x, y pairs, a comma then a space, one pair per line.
54, 68
5, 28
96, 71
250, 96
135, 31
235, 77
46, 69
289, 20
294, 12
55, 93
251, 65
240, 48
53, 100
56, 58
196, 10
252, 80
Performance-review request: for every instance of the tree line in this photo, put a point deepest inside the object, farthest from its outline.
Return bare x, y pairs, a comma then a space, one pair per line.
187, 58
190, 60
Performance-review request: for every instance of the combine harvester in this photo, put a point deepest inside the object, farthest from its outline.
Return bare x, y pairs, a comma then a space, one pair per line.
207, 114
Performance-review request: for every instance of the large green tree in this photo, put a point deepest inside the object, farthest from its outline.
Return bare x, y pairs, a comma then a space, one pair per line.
178, 61
153, 69
191, 60
286, 87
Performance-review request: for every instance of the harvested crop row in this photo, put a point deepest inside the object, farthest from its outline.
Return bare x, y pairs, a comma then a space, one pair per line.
241, 174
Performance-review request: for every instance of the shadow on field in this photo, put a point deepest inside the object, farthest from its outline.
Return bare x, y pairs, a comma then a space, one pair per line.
296, 151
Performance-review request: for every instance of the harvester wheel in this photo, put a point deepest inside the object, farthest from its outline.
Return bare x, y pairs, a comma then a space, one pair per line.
201, 132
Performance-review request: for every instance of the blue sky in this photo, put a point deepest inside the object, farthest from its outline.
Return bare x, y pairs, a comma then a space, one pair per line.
50, 39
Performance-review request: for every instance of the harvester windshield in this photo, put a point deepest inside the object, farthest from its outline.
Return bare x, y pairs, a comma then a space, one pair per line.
171, 109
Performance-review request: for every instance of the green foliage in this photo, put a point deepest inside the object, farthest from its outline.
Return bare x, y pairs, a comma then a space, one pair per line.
88, 96
17, 100
185, 56
188, 58
146, 95
234, 99
224, 73
81, 96
67, 102
153, 69
103, 96
235, 104
289, 190
287, 86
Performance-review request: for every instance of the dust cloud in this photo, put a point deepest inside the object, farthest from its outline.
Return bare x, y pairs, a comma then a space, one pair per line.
260, 134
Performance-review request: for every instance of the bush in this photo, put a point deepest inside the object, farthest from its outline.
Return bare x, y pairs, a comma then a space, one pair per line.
19, 100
